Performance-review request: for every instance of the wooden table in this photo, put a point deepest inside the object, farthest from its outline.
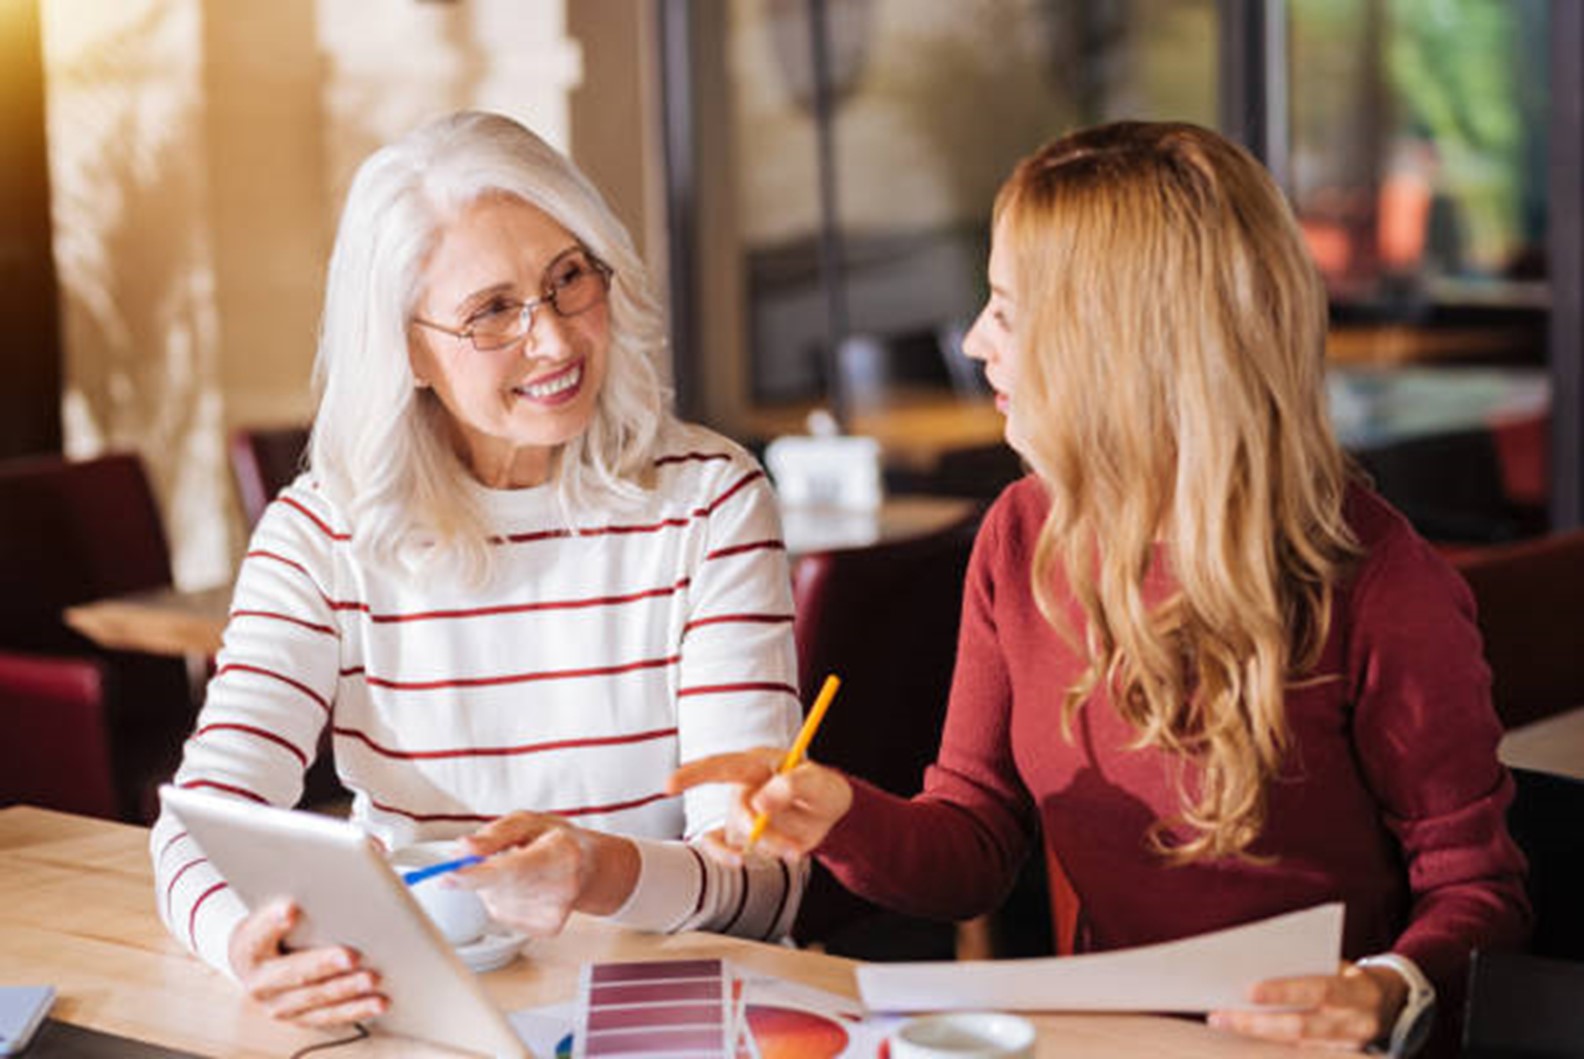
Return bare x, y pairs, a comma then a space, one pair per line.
815, 528
77, 912
913, 426
165, 621
1382, 345
1554, 745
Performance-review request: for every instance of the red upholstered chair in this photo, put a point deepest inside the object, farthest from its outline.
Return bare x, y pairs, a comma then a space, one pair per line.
264, 460
1523, 453
57, 734
84, 728
1527, 594
883, 618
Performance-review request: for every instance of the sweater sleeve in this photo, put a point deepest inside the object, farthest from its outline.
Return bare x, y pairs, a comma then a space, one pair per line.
737, 688
1426, 736
952, 851
259, 729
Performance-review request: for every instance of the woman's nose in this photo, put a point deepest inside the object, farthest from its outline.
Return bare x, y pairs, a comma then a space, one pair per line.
974, 345
549, 336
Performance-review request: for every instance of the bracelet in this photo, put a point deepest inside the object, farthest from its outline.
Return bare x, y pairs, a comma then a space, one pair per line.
1414, 1021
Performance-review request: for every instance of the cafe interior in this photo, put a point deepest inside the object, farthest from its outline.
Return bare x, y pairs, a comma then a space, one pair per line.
809, 182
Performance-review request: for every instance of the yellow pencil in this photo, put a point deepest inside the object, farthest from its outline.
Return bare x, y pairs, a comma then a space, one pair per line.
800, 747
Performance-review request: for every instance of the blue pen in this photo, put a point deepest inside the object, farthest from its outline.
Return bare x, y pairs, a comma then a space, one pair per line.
418, 875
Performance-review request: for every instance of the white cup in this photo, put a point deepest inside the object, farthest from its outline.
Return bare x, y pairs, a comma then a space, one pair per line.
459, 913
964, 1035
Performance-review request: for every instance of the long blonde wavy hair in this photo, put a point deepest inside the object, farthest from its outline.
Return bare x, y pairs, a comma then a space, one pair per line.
1170, 393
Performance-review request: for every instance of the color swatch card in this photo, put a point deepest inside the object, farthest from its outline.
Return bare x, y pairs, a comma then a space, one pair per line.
660, 1007
699, 1009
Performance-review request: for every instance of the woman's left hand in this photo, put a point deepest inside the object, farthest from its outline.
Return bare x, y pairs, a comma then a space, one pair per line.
1348, 1010
539, 869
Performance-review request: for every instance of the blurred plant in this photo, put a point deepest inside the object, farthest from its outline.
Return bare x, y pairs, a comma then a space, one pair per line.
1454, 69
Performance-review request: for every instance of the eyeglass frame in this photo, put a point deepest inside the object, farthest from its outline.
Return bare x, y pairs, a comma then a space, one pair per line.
526, 308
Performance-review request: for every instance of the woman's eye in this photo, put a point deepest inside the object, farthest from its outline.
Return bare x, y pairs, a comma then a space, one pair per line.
567, 274
498, 309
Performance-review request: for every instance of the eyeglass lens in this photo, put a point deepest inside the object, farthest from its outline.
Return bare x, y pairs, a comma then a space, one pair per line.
574, 284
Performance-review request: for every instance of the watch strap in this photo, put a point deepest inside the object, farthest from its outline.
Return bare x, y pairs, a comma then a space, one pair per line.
1412, 1028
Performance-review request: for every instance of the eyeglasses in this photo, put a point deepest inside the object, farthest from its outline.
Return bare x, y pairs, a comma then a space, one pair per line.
575, 282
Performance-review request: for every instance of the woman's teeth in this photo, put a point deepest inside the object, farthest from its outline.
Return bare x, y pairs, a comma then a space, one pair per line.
559, 384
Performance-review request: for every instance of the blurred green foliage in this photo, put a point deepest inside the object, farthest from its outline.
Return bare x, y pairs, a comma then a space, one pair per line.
1454, 69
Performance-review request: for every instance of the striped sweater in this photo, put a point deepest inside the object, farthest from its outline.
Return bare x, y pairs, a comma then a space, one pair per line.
593, 662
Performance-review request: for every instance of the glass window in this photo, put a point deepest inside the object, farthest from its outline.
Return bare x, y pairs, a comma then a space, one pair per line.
1419, 172
1418, 163
933, 102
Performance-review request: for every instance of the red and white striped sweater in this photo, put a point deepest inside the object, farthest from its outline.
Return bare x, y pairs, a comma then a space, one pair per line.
592, 664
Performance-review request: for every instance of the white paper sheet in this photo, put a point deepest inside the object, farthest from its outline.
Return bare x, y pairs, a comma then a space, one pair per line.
1196, 974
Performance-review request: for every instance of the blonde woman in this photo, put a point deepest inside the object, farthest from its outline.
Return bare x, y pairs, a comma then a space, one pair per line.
515, 589
1222, 678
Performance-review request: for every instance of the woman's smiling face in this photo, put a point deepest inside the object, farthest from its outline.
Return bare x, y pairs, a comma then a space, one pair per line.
511, 408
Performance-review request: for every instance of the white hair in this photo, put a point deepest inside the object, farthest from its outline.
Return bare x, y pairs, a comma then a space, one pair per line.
380, 447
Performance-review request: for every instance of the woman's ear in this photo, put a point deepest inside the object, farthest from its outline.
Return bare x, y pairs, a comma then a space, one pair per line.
415, 359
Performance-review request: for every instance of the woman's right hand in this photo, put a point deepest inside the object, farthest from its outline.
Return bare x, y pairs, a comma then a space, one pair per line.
320, 988
802, 805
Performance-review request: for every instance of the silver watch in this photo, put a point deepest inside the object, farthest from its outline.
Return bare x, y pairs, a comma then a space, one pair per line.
1414, 1021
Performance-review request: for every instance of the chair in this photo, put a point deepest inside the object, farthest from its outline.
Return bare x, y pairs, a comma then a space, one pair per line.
1523, 454
1523, 1005
884, 618
1547, 822
1525, 593
978, 472
1449, 485
58, 734
264, 460
86, 729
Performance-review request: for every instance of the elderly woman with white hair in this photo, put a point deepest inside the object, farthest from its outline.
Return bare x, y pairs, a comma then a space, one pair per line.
515, 588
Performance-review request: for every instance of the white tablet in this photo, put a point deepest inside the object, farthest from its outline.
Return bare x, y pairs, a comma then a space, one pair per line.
349, 896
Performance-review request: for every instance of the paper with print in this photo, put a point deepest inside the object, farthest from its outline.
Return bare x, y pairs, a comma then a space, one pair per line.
1202, 973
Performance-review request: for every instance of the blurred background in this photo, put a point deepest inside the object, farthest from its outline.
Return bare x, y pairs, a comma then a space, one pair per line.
811, 182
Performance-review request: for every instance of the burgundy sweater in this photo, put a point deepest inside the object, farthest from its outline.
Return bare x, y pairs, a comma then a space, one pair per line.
1392, 800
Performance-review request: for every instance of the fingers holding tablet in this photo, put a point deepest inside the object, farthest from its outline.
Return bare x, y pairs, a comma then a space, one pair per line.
324, 986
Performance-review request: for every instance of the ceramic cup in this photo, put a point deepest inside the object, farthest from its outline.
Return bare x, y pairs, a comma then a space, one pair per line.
458, 913
964, 1035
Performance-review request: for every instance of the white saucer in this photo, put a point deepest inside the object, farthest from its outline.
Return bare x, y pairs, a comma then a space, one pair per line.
491, 952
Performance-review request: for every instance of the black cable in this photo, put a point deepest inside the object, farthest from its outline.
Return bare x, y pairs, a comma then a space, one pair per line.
362, 1032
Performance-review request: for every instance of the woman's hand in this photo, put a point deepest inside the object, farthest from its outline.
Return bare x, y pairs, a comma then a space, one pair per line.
312, 987
802, 805
540, 869
1350, 1009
